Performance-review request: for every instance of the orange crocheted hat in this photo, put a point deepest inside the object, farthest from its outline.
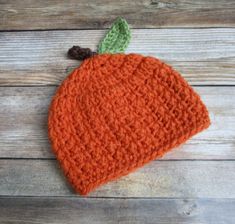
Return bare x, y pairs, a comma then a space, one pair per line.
117, 112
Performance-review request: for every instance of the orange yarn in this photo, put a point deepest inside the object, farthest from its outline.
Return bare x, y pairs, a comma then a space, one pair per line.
117, 112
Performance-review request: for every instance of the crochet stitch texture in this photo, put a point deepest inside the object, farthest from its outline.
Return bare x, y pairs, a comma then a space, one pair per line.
117, 112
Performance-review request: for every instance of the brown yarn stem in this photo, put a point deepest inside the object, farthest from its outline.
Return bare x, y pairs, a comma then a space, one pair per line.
79, 53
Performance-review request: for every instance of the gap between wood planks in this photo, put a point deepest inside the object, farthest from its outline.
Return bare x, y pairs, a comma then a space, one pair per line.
106, 29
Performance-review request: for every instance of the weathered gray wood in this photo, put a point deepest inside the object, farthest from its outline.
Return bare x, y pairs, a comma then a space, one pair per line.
23, 129
57, 14
203, 56
149, 211
168, 179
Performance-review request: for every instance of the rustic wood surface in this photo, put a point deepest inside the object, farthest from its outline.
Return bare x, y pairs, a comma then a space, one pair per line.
203, 56
81, 210
161, 179
194, 183
72, 14
24, 133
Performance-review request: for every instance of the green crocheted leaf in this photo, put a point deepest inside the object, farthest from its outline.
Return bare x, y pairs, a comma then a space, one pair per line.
117, 39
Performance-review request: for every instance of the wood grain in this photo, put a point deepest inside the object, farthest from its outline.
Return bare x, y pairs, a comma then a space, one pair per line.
23, 129
168, 179
203, 56
112, 211
56, 14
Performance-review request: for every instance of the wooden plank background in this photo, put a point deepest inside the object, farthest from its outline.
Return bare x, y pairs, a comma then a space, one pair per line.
136, 211
24, 133
194, 183
83, 14
203, 56
160, 179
